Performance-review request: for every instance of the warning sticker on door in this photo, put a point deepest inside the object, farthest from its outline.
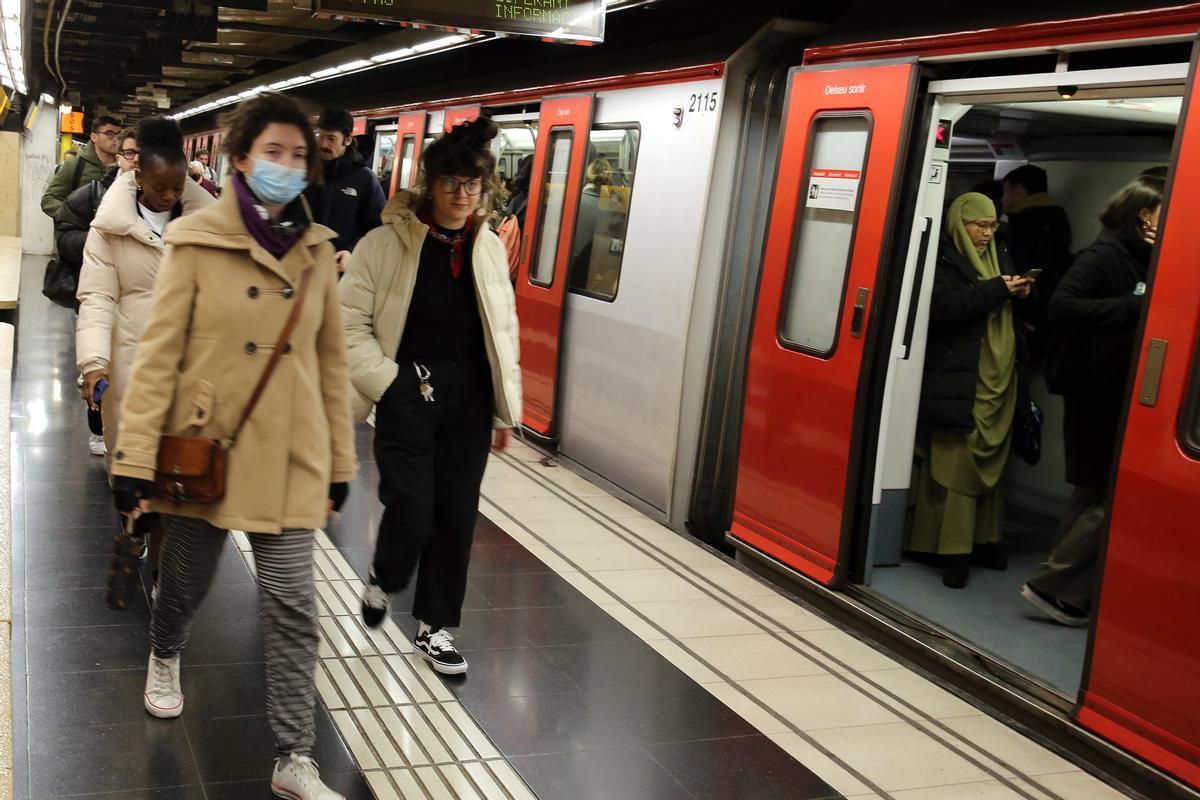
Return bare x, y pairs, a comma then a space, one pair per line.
835, 189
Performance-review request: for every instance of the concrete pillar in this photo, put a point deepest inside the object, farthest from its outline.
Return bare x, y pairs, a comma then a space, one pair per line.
10, 184
39, 151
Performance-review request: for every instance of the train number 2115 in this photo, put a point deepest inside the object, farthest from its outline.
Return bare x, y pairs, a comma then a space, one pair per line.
703, 102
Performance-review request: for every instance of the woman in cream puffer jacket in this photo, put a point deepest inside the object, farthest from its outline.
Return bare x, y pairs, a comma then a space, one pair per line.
431, 327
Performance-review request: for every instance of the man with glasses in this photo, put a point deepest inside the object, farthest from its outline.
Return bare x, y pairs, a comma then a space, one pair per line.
94, 159
351, 199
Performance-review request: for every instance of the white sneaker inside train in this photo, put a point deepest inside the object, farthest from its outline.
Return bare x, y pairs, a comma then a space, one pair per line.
96, 445
297, 777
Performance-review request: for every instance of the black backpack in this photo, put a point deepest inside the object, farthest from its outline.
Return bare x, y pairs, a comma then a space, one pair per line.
61, 281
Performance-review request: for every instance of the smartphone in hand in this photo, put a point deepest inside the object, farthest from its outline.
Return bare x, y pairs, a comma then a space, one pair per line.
1031, 274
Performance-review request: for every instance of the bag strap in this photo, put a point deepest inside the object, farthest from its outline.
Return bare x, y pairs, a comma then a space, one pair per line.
75, 176
276, 354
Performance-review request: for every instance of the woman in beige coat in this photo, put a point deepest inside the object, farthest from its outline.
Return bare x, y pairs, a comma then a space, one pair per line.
230, 279
432, 327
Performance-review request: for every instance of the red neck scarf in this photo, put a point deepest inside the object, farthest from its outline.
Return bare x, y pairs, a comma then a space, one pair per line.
457, 240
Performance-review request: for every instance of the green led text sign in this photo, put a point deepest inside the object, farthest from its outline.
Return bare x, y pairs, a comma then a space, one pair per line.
575, 20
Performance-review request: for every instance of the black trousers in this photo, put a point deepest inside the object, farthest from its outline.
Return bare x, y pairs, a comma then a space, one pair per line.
431, 457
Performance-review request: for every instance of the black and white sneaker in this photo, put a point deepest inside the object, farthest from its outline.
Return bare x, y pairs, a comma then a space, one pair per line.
374, 604
437, 646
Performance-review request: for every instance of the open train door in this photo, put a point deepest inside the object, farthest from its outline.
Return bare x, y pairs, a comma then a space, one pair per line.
1141, 687
844, 133
406, 158
458, 115
558, 160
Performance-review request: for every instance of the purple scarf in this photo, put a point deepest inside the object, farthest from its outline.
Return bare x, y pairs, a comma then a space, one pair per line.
275, 238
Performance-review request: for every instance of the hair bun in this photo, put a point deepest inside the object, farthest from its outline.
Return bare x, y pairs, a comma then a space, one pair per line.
159, 132
476, 133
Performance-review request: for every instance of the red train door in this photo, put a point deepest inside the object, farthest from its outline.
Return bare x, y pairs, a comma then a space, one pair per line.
459, 115
406, 158
562, 142
844, 133
1143, 685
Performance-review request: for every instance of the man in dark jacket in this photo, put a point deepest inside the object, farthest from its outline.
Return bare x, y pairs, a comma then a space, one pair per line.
1038, 236
351, 199
94, 159
74, 217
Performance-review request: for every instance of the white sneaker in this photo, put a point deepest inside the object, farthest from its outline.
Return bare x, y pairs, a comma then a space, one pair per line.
96, 445
297, 778
164, 697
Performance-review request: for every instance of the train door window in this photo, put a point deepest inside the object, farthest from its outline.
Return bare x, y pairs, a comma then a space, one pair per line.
514, 144
554, 195
385, 147
598, 244
406, 161
1191, 414
825, 232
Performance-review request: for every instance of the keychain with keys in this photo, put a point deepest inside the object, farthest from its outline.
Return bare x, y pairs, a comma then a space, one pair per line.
423, 376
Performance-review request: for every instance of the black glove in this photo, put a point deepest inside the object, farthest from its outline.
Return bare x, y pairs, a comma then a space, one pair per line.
338, 492
129, 492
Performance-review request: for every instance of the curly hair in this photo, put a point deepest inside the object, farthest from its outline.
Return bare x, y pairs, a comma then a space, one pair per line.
463, 151
247, 122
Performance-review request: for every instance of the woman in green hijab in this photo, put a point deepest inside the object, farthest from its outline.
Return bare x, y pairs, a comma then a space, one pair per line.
968, 396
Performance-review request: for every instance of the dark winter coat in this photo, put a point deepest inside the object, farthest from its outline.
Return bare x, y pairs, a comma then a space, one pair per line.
1040, 238
1094, 316
74, 218
958, 311
349, 201
74, 173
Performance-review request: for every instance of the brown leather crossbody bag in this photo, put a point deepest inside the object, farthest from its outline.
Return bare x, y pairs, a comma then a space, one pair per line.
192, 469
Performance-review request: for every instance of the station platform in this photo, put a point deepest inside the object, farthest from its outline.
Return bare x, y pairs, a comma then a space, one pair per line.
610, 657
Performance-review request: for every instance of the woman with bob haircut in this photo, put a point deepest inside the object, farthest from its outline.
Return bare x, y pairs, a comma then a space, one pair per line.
431, 325
230, 279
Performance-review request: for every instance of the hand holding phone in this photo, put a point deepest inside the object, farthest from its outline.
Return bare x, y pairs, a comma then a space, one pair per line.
1032, 274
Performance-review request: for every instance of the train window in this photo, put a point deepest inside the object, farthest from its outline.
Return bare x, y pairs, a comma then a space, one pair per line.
406, 162
554, 195
598, 244
825, 232
1190, 419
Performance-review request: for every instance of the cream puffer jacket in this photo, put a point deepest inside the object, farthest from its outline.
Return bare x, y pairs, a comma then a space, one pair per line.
376, 292
116, 287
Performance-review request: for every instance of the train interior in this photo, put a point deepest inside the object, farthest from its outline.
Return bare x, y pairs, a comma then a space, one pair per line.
1089, 147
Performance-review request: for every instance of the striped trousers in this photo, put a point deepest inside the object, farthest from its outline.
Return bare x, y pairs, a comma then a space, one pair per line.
287, 608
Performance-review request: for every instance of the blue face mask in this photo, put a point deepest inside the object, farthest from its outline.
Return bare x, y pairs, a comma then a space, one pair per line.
274, 183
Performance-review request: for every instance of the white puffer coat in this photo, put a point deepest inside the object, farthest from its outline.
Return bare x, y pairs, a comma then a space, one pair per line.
116, 287
376, 292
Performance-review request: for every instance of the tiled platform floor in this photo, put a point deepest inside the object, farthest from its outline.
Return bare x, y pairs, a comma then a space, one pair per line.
610, 658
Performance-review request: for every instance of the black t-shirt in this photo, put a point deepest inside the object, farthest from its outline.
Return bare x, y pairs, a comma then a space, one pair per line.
443, 317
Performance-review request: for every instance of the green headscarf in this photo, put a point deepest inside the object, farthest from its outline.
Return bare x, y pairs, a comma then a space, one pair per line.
968, 208
975, 466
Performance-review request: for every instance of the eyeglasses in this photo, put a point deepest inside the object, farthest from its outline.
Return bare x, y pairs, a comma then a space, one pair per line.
128, 154
108, 134
473, 186
985, 226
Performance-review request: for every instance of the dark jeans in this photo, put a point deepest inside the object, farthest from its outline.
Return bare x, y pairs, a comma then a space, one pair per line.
431, 457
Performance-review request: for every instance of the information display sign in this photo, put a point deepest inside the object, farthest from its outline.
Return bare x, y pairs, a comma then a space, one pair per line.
572, 20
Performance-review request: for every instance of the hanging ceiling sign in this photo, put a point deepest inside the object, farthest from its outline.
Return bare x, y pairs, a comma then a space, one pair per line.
569, 20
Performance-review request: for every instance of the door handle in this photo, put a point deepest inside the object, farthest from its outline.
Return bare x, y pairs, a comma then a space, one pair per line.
1152, 374
860, 313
